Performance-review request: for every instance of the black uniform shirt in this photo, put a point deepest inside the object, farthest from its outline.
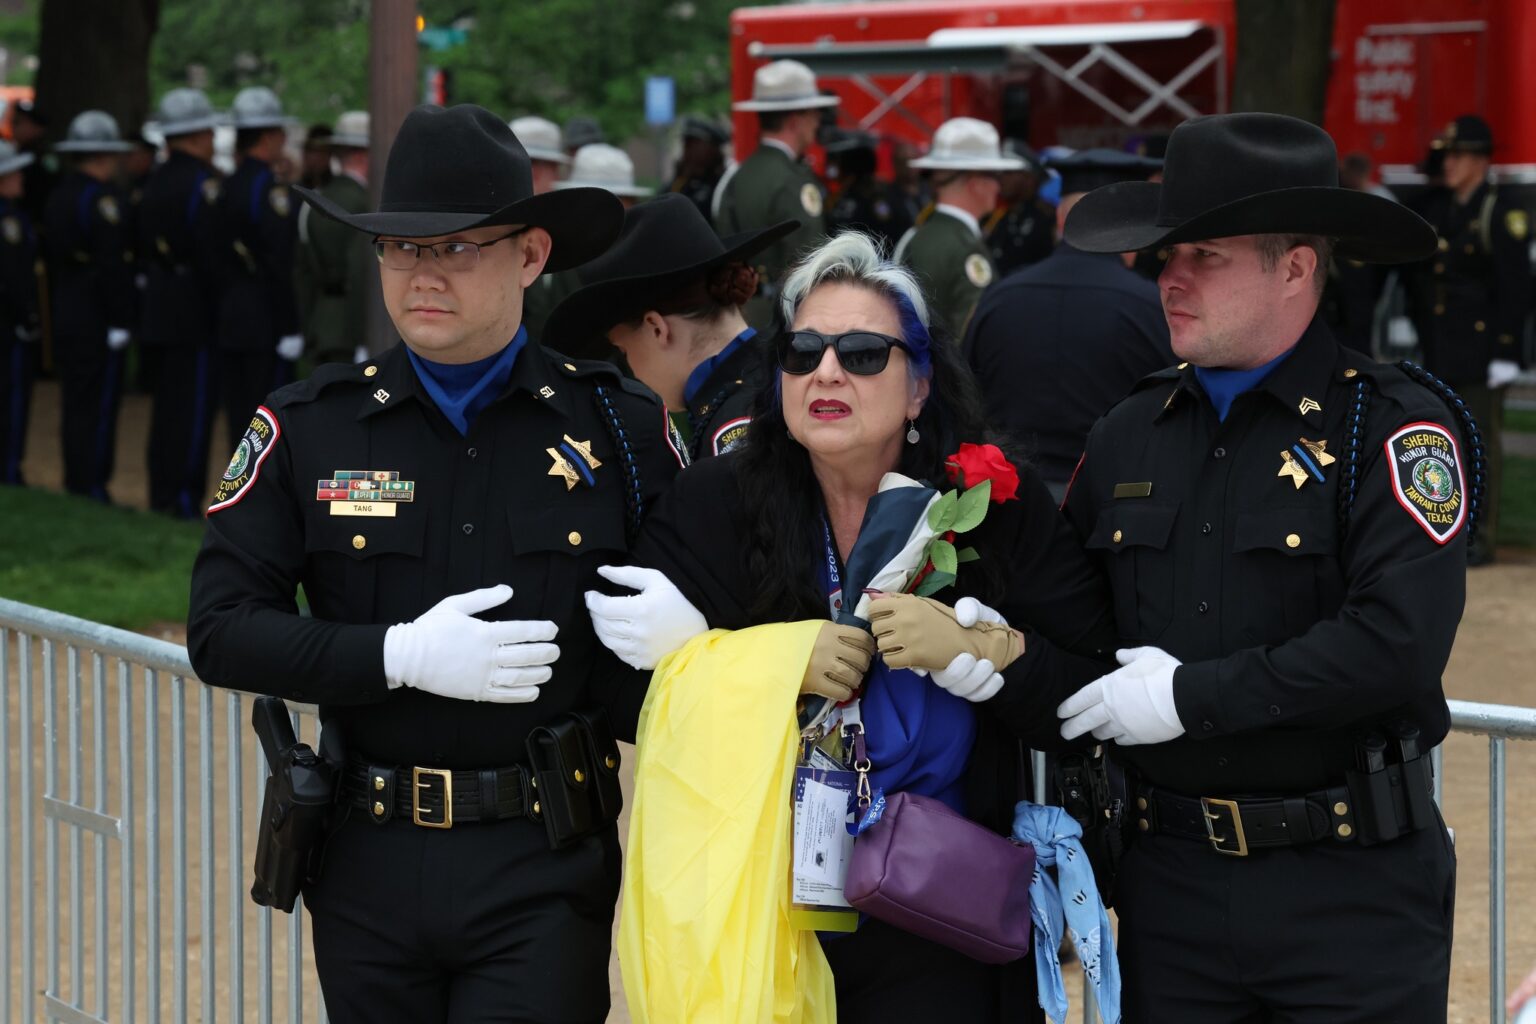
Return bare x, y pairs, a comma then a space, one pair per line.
1056, 344
720, 407
491, 507
90, 270
1292, 635
1021, 234
256, 237
176, 248
874, 207
18, 273
1473, 295
700, 188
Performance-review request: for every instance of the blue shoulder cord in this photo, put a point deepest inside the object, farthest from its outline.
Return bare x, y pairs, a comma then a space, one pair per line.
633, 502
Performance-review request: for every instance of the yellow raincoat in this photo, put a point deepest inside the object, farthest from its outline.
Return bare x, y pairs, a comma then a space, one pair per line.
704, 932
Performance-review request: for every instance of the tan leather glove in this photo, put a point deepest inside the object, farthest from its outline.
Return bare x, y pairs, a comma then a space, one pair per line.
839, 659
919, 632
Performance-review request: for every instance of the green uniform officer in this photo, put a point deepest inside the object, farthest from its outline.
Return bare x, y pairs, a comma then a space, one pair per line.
772, 185
948, 252
336, 264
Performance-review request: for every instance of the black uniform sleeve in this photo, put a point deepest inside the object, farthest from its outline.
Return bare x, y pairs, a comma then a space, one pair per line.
244, 629
1512, 282
280, 240
1387, 646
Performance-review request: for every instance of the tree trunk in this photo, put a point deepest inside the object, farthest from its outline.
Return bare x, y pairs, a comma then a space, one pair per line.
394, 87
1283, 56
94, 55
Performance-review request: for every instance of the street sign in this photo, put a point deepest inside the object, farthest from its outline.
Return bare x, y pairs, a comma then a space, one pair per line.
660, 101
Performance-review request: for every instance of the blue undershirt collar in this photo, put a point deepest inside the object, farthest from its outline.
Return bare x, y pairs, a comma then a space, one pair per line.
1223, 386
700, 374
462, 391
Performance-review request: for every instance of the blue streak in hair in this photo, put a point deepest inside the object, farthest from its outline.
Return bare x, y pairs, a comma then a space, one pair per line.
914, 334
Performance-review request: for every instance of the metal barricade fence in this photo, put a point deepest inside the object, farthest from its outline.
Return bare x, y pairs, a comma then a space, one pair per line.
128, 821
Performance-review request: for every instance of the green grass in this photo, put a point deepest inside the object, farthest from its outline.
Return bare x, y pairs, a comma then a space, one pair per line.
119, 566
1522, 421
1517, 505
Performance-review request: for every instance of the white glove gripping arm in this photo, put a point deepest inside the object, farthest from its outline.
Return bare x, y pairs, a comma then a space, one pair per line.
449, 652
648, 626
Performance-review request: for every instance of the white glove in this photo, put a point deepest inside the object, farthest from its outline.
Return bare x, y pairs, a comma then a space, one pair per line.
647, 627
452, 654
967, 677
1502, 372
1401, 333
969, 611
117, 338
1133, 704
290, 347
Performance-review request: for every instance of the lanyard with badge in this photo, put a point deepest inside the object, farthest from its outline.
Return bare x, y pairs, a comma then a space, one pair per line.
831, 781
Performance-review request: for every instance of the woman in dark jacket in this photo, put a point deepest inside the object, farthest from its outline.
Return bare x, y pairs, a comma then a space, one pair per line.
760, 535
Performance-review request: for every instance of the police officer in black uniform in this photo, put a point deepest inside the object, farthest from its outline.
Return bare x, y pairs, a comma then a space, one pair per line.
665, 302
90, 275
20, 327
464, 487
702, 162
178, 251
1283, 522
1472, 296
1022, 230
1056, 344
864, 202
256, 235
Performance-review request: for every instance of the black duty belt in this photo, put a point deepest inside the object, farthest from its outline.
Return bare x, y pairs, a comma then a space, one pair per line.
438, 797
1236, 826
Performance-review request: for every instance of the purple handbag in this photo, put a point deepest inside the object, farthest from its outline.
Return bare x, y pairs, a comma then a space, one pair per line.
937, 874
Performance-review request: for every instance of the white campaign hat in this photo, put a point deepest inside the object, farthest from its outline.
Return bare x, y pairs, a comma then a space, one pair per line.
603, 166
351, 130
966, 144
541, 138
785, 85
93, 131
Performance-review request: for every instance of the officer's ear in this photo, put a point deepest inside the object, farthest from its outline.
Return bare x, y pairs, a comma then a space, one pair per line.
534, 246
1302, 270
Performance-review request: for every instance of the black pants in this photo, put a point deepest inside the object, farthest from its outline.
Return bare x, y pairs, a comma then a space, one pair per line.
884, 975
18, 367
91, 382
477, 923
1322, 934
245, 379
184, 406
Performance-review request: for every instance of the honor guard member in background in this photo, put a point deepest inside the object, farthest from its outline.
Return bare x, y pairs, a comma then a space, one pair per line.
90, 278
1022, 230
1056, 344
702, 161
665, 302
864, 202
947, 251
581, 131
773, 185
541, 140
443, 508
1283, 524
257, 224
1472, 296
336, 265
29, 129
315, 163
177, 247
20, 323
1354, 288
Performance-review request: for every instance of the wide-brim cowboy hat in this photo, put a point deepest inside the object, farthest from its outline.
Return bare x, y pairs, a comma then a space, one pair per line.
458, 168
664, 244
1248, 174
785, 85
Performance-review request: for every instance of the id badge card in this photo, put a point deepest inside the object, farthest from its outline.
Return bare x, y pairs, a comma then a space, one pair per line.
823, 848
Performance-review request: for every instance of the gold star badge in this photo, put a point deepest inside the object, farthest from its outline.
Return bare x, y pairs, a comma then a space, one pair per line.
562, 468
584, 449
1318, 451
1293, 469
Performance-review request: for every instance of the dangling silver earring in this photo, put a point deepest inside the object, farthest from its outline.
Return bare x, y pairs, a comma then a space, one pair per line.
912, 434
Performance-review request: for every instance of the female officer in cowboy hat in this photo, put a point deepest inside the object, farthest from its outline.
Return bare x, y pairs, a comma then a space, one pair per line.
489, 478
668, 297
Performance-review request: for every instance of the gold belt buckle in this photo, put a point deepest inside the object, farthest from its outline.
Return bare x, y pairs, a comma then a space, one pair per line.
1233, 815
417, 785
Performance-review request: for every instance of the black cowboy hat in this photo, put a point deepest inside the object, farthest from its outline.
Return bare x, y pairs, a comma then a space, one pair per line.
460, 168
1088, 169
1467, 134
664, 244
1248, 174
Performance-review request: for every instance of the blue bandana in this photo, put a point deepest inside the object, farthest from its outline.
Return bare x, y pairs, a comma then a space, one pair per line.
463, 390
1223, 386
700, 374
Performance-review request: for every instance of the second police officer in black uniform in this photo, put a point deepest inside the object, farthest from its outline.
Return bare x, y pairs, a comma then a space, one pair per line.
1283, 525
90, 277
177, 251
20, 323
444, 508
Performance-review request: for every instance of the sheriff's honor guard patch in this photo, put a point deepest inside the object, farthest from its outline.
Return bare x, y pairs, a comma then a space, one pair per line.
1427, 479
245, 465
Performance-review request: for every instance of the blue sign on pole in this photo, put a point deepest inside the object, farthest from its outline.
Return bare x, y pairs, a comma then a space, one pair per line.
660, 101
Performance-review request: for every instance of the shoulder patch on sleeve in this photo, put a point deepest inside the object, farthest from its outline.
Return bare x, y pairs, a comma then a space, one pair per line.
109, 210
731, 435
978, 270
1517, 224
1427, 478
281, 203
245, 465
210, 190
810, 199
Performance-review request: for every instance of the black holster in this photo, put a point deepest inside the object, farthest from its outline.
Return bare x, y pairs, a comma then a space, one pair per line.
574, 764
1096, 793
294, 809
1392, 785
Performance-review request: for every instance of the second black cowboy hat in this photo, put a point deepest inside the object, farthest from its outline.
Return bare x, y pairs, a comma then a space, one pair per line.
1248, 174
458, 168
665, 243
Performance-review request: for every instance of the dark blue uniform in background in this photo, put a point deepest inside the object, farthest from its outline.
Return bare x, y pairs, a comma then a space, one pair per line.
1055, 345
19, 334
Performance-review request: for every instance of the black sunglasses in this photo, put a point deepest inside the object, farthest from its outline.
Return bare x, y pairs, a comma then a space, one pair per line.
865, 353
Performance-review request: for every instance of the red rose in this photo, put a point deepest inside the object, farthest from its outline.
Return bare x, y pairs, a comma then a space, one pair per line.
974, 463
